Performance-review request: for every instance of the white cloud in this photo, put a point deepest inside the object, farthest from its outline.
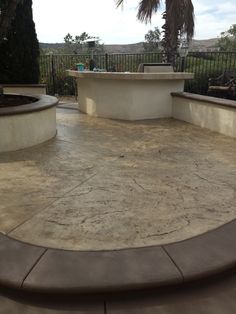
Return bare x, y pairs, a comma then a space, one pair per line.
55, 18
212, 18
227, 8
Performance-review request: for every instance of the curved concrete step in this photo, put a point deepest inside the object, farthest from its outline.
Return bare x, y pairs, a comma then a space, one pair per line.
37, 269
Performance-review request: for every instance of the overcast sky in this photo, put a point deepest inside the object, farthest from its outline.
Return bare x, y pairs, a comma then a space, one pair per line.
55, 18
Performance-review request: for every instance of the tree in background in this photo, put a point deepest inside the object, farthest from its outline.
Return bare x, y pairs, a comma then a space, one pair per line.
152, 40
227, 40
19, 51
78, 44
179, 21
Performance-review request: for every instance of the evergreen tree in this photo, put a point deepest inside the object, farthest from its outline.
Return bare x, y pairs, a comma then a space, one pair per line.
19, 51
7, 14
152, 40
78, 44
227, 40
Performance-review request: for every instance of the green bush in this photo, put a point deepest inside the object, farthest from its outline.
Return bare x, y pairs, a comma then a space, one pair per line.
205, 67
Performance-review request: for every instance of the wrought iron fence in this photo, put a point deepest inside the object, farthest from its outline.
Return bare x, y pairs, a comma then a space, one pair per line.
203, 64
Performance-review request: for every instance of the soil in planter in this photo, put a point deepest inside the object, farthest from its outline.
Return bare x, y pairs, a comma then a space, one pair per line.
15, 100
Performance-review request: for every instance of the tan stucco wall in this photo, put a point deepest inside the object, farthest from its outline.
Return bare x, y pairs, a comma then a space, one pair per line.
128, 96
25, 130
127, 99
207, 115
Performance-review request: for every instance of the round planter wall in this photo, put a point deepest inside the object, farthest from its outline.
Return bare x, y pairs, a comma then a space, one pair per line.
28, 125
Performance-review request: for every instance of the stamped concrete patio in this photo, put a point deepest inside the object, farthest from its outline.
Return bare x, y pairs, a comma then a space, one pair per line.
104, 184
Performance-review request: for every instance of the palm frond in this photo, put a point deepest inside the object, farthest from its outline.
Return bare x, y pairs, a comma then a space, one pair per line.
180, 17
147, 8
119, 2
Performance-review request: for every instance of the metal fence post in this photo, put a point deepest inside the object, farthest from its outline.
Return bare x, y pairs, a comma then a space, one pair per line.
106, 61
53, 75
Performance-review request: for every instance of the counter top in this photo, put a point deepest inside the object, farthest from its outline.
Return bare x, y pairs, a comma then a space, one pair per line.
131, 75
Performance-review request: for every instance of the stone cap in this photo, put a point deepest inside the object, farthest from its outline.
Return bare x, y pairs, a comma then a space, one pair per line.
207, 99
23, 85
42, 102
130, 76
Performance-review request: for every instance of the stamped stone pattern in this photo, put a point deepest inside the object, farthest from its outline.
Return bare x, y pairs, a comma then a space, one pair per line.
105, 184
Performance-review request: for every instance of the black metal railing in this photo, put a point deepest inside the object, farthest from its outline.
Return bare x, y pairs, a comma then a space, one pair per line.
203, 64
206, 65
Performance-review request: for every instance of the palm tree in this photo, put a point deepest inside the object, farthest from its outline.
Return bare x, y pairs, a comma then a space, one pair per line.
179, 21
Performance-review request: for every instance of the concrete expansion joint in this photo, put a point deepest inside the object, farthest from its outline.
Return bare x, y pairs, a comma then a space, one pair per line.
173, 261
33, 266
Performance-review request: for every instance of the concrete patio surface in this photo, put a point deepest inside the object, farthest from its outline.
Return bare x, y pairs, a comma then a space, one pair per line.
104, 184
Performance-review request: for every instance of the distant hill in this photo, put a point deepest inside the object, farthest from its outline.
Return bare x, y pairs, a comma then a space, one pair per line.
130, 48
204, 44
51, 46
198, 45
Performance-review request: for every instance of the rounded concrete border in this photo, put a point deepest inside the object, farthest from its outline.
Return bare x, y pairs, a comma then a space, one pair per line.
43, 102
53, 271
28, 125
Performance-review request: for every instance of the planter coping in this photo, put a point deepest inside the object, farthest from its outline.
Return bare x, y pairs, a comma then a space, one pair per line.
39, 269
43, 102
207, 99
23, 85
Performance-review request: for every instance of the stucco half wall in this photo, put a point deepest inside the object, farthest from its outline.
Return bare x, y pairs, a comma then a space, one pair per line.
208, 112
128, 96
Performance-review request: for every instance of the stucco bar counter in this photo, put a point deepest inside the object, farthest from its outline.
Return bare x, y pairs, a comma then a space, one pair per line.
128, 96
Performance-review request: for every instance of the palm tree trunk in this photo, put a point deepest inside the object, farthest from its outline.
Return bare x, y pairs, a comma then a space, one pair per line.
171, 32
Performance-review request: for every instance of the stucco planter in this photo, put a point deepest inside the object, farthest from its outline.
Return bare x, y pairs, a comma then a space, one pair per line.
28, 125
